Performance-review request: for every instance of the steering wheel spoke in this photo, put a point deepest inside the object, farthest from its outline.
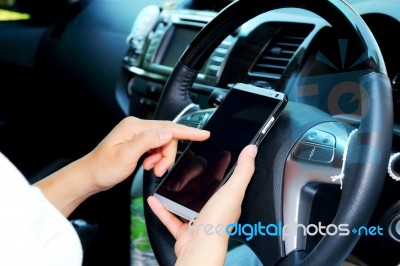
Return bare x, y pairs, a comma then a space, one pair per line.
301, 170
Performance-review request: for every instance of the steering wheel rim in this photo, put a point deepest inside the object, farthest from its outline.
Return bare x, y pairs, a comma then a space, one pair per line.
369, 151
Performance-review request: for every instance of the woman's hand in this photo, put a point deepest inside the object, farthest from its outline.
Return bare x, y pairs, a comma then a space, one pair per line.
115, 158
193, 245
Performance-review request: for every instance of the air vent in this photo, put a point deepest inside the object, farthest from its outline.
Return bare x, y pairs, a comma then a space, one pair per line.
217, 59
277, 54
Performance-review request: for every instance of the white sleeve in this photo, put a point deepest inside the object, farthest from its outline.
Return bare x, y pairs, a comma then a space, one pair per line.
32, 231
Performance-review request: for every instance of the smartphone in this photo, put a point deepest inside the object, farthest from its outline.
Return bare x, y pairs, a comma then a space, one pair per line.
244, 117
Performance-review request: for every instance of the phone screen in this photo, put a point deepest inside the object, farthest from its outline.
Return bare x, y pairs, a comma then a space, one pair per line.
201, 168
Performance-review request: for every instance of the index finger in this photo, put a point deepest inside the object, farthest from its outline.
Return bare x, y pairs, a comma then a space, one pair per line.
178, 131
187, 133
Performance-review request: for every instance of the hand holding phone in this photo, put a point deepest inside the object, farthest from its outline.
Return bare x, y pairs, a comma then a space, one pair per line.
244, 117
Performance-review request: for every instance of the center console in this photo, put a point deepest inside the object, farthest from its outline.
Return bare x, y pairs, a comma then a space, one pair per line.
157, 41
264, 51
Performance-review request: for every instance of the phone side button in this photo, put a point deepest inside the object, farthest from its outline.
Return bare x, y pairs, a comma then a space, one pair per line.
264, 130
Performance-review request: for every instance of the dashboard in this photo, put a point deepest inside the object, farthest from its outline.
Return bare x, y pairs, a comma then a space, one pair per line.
289, 50
103, 60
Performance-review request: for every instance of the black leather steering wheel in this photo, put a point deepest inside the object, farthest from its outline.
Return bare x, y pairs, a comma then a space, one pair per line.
275, 184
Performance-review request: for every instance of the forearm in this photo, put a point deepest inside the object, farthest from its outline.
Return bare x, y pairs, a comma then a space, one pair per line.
69, 186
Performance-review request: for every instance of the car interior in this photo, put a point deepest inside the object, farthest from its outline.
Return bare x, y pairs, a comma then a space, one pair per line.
72, 69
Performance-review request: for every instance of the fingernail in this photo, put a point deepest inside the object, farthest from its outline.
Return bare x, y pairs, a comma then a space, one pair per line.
252, 151
164, 134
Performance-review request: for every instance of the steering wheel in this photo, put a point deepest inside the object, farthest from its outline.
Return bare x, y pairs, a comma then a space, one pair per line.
285, 181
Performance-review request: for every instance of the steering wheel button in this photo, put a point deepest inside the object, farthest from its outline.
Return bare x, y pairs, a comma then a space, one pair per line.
319, 137
187, 118
311, 136
303, 151
322, 154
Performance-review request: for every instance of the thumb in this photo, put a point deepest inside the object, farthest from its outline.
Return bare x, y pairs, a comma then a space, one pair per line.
148, 140
244, 171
